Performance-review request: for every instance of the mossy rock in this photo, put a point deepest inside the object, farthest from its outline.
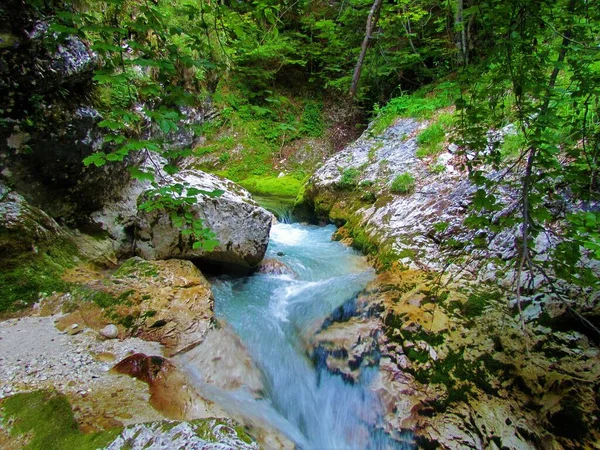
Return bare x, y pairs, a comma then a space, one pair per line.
287, 186
43, 420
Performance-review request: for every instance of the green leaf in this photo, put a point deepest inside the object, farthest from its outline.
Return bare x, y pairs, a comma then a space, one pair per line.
141, 175
208, 244
98, 159
170, 169
111, 125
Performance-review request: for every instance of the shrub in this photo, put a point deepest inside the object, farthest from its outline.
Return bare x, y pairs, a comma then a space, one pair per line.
349, 178
403, 184
430, 140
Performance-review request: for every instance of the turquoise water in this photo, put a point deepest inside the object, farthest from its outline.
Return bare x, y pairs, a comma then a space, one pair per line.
275, 316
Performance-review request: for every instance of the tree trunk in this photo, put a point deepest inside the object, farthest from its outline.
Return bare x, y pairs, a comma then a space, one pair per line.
462, 39
371, 22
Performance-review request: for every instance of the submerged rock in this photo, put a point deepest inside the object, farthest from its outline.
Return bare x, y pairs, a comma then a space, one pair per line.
274, 266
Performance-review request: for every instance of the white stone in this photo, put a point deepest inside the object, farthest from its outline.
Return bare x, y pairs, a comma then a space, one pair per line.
109, 331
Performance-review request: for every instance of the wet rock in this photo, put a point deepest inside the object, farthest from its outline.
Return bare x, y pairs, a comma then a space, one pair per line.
109, 331
142, 367
274, 266
346, 347
170, 391
222, 360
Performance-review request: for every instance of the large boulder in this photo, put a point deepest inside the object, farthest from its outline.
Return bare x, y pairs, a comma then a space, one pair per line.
169, 302
49, 124
241, 226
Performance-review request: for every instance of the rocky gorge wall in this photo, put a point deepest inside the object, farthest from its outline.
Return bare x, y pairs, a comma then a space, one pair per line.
75, 298
459, 366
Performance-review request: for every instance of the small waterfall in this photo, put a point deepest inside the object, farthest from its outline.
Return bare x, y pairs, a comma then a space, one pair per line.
280, 207
275, 316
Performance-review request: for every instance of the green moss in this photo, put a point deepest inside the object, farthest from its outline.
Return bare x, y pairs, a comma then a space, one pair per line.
417, 355
362, 242
387, 258
369, 197
403, 184
452, 372
476, 303
287, 186
23, 278
204, 429
45, 417
349, 179
136, 267
101, 298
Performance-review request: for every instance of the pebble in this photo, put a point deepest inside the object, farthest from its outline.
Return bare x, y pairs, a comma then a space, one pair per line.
110, 331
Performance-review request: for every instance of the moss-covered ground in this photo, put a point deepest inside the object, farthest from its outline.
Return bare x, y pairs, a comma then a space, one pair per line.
254, 141
43, 420
24, 278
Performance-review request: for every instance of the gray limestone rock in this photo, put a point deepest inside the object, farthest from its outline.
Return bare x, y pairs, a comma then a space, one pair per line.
23, 227
241, 226
109, 331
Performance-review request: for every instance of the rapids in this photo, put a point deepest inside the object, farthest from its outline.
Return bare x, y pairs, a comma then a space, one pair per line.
275, 316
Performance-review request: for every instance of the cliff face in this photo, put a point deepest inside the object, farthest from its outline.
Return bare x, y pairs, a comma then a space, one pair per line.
47, 123
460, 366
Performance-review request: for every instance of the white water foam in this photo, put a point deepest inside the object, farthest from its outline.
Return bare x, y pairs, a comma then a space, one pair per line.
287, 234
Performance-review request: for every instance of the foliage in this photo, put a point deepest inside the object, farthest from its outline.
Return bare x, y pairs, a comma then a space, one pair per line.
256, 136
539, 71
422, 104
148, 54
403, 184
437, 168
177, 200
430, 140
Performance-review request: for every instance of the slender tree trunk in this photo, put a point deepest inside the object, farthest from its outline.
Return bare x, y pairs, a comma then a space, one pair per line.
371, 22
406, 26
462, 40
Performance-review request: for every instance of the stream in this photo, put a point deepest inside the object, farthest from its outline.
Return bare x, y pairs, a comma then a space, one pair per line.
276, 315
